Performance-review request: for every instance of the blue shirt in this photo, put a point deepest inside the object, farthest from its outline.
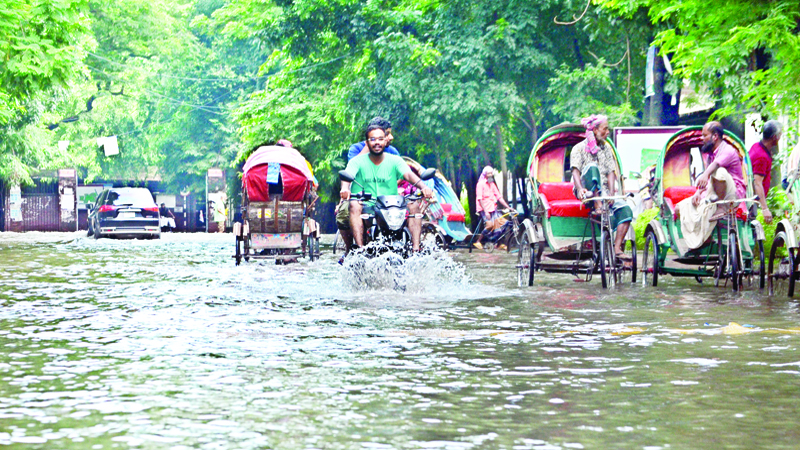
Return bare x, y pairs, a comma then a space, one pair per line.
356, 148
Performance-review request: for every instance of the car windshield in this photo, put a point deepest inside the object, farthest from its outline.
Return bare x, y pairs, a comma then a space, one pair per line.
137, 197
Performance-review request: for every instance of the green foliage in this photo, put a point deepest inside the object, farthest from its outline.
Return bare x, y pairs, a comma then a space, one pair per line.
722, 45
640, 225
465, 204
780, 207
578, 93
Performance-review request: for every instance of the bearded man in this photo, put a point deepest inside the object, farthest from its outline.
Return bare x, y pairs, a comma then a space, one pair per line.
377, 173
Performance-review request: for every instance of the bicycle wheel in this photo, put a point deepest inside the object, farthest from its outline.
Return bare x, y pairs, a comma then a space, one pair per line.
608, 273
735, 262
650, 260
514, 239
781, 269
525, 262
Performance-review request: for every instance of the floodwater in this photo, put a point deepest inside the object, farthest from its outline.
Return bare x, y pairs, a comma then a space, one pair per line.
115, 344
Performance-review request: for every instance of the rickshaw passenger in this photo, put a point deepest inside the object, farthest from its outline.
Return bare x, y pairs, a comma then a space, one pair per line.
699, 217
487, 196
360, 148
594, 171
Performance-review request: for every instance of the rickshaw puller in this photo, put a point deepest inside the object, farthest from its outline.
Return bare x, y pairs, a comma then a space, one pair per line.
594, 172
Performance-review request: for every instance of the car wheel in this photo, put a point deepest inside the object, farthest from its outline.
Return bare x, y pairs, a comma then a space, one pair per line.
97, 234
91, 231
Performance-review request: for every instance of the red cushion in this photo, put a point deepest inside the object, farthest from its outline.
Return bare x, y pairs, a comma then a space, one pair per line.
455, 217
678, 193
568, 208
741, 212
557, 191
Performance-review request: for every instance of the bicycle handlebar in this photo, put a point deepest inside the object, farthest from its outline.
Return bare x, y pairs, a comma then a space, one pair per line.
609, 197
753, 199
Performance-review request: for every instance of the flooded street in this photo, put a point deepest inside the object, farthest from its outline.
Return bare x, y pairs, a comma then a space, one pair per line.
167, 345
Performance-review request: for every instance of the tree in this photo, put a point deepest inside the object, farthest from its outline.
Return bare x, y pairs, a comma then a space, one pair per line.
745, 52
43, 44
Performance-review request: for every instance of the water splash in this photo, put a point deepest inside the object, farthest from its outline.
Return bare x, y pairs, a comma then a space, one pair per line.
431, 270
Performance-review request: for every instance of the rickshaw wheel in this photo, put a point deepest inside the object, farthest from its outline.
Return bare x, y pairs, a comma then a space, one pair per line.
608, 272
627, 273
756, 271
432, 238
514, 239
722, 260
735, 265
336, 240
525, 262
781, 270
238, 254
650, 260
488, 247
313, 247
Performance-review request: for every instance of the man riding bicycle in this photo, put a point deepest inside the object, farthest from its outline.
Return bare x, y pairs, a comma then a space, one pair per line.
377, 173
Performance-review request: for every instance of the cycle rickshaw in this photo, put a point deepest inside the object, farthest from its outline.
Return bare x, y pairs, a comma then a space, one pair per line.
735, 249
277, 207
562, 236
784, 256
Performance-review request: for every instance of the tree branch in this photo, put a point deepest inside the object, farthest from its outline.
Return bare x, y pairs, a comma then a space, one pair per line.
577, 19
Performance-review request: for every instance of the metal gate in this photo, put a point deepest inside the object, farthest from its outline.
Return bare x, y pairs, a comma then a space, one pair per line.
39, 208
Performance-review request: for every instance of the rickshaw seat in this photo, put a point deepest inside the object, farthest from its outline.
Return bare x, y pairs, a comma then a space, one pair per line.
450, 215
675, 194
561, 201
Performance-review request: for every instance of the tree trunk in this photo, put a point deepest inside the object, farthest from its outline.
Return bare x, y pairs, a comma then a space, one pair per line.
656, 113
502, 154
471, 182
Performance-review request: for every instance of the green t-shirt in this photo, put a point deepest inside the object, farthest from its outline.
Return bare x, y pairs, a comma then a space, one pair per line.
377, 180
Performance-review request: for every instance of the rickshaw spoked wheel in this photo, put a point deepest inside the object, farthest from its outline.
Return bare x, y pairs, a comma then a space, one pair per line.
313, 247
627, 269
650, 260
722, 259
608, 269
514, 237
781, 271
758, 269
526, 261
238, 254
735, 262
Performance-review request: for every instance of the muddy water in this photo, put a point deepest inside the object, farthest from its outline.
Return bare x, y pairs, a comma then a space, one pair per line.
166, 345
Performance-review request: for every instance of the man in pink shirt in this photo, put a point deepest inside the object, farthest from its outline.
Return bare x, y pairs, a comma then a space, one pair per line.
761, 159
722, 156
723, 177
487, 197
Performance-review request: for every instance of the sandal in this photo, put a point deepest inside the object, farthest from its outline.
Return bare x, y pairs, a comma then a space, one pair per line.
623, 257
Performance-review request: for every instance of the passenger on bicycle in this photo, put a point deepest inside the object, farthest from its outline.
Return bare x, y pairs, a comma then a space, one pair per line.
594, 172
487, 198
723, 178
377, 174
